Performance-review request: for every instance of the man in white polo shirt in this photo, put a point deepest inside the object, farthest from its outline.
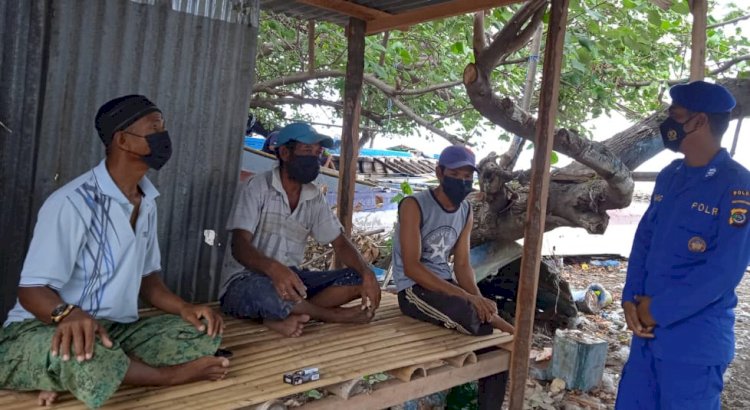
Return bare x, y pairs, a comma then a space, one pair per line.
273, 215
94, 251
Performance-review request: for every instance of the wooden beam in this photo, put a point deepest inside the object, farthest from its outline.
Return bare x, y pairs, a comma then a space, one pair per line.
537, 203
434, 12
355, 70
347, 8
395, 392
699, 9
311, 46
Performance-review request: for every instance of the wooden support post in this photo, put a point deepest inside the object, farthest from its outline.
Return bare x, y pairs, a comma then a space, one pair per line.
537, 203
355, 69
699, 9
311, 46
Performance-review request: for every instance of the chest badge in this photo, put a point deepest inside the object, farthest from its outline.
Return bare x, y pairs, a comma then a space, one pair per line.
738, 217
697, 244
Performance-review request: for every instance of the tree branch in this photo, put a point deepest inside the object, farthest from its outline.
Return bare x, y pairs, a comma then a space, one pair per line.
296, 100
722, 68
266, 49
479, 41
426, 124
728, 22
384, 44
514, 34
297, 78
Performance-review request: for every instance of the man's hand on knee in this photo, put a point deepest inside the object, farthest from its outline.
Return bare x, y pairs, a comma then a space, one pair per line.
370, 293
287, 283
485, 308
78, 331
194, 313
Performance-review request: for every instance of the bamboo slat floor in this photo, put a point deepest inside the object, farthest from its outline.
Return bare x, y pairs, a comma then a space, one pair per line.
341, 352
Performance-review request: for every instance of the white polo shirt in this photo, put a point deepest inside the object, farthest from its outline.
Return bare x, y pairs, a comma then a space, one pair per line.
85, 248
262, 208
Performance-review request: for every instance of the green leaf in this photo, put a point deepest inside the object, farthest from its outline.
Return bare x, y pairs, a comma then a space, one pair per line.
587, 43
405, 56
584, 56
595, 14
406, 188
681, 6
314, 394
654, 17
458, 48
577, 64
553, 158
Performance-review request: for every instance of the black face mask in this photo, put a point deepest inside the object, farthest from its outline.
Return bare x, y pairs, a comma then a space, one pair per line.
161, 149
303, 168
673, 133
457, 189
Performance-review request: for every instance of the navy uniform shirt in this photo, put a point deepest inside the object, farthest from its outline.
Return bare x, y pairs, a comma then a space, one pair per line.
689, 254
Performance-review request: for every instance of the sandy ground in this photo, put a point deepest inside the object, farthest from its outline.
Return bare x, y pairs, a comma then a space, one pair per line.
609, 324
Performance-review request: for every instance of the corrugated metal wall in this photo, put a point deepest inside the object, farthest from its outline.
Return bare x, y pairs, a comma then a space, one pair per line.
60, 60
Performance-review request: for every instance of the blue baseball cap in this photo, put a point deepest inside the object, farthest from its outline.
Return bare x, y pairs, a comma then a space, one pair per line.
700, 96
304, 133
457, 156
272, 139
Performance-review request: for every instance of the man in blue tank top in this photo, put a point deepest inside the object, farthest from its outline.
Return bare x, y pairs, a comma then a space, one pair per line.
433, 225
689, 254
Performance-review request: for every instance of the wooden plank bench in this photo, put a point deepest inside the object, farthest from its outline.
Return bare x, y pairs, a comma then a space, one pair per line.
423, 359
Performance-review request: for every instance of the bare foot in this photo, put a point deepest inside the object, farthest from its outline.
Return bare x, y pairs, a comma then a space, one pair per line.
205, 368
354, 314
500, 324
290, 327
46, 398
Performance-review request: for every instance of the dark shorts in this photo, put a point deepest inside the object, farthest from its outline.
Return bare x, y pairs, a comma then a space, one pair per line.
252, 295
444, 310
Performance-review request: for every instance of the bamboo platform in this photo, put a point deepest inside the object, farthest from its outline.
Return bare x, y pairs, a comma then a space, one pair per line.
422, 358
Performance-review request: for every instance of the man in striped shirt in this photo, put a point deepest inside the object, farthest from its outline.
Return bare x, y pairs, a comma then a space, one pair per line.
275, 213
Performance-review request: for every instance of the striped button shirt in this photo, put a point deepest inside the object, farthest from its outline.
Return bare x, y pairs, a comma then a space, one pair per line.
85, 248
262, 208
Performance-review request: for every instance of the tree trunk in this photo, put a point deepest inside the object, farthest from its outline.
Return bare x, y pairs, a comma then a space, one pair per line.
580, 194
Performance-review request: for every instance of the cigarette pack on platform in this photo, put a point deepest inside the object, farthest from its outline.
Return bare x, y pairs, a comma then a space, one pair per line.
301, 376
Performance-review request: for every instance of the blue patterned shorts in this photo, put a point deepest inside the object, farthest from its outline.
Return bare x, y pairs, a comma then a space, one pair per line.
252, 295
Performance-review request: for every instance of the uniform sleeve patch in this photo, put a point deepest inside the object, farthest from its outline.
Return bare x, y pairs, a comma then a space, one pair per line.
738, 217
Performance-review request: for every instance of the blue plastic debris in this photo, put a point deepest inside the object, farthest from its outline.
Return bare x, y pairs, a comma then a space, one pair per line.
606, 263
603, 296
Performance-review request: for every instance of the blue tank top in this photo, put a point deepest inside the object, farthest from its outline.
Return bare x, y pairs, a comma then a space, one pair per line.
439, 230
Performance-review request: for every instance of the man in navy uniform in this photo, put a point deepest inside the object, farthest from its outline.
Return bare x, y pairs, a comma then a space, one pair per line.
690, 252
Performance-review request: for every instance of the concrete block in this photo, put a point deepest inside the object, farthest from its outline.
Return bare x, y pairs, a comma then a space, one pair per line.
578, 359
540, 370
